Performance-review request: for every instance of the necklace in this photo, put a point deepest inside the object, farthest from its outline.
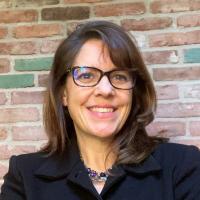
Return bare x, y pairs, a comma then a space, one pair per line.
97, 176
94, 175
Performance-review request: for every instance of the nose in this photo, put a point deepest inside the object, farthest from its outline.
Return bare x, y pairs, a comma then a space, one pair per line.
104, 87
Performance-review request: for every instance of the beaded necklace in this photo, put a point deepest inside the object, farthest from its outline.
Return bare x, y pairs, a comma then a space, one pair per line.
94, 175
97, 176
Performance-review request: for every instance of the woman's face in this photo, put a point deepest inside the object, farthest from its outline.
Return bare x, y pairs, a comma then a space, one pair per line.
98, 111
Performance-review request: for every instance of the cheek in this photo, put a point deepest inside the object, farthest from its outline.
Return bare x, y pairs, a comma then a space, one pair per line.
128, 104
76, 96
69, 92
127, 99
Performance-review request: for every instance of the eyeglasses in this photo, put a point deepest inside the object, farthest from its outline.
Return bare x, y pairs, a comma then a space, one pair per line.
85, 76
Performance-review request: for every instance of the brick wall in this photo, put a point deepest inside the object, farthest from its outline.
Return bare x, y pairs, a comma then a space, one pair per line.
167, 31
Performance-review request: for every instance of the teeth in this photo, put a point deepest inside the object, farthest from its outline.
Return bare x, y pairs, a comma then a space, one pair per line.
102, 110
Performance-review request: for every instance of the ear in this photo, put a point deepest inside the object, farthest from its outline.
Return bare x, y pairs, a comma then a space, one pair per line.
64, 98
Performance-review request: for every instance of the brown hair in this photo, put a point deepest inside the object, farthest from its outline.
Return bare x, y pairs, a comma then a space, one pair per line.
132, 142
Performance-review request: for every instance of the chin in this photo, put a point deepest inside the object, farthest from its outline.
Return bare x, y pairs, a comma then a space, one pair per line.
104, 134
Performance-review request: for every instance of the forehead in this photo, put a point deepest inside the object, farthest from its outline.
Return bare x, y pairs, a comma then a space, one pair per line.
93, 53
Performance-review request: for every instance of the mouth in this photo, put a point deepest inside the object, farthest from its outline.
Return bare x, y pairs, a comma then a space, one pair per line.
103, 112
101, 109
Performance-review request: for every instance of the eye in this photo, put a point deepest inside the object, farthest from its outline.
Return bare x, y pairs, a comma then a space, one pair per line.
120, 77
85, 76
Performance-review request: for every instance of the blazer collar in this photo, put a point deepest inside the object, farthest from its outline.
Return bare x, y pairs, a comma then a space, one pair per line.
150, 165
55, 167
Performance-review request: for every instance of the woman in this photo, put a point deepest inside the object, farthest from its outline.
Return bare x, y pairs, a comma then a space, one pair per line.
99, 100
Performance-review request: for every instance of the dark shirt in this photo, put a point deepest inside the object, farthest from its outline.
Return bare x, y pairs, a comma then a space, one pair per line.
171, 172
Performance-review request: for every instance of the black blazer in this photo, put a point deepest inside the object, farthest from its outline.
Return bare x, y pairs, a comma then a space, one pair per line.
172, 172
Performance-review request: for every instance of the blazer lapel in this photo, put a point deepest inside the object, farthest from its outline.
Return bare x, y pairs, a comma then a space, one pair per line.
69, 167
55, 167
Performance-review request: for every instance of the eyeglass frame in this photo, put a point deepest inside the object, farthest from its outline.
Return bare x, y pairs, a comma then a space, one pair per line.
107, 74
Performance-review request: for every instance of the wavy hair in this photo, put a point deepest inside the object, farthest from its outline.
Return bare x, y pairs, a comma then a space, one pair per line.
132, 142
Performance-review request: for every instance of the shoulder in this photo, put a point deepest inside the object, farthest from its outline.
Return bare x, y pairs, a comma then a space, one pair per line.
176, 154
180, 163
28, 161
19, 167
169, 146
175, 148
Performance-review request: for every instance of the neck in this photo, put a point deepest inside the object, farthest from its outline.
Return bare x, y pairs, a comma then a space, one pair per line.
95, 152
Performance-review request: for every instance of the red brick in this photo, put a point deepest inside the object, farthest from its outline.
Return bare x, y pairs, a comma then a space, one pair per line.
170, 6
3, 133
3, 170
191, 91
49, 46
3, 98
160, 57
3, 32
6, 151
66, 13
18, 48
35, 97
167, 39
15, 16
188, 20
146, 24
182, 73
193, 37
39, 30
28, 133
43, 80
174, 39
84, 1
167, 92
194, 128
11, 115
172, 110
119, 9
167, 129
4, 65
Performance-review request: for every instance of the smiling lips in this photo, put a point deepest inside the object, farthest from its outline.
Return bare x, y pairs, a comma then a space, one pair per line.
102, 109
102, 112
